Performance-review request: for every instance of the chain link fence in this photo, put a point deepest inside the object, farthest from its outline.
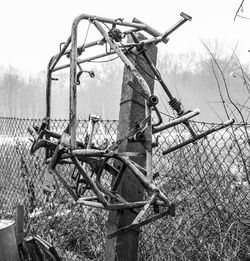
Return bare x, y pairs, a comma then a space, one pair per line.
208, 180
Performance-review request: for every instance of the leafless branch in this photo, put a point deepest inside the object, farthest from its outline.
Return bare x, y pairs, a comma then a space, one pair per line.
219, 88
234, 105
244, 17
237, 12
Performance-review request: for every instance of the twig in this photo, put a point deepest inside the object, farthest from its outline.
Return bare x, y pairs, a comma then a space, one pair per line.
236, 14
220, 92
236, 107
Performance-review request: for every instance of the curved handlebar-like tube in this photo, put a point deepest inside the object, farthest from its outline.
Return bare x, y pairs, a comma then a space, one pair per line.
60, 54
200, 136
91, 153
176, 121
120, 22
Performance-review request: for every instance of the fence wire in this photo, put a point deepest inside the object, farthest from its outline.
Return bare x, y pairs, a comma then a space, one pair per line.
208, 180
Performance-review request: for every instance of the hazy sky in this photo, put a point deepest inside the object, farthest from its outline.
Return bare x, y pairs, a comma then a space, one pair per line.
31, 30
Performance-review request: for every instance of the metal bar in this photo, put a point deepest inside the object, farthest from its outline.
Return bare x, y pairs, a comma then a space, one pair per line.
48, 101
91, 153
102, 41
145, 209
88, 198
89, 59
73, 85
173, 102
60, 54
119, 177
144, 181
139, 127
150, 30
199, 136
58, 136
48, 91
148, 142
90, 181
184, 19
170, 211
138, 25
119, 206
163, 36
64, 183
176, 121
153, 68
120, 21
125, 60
87, 45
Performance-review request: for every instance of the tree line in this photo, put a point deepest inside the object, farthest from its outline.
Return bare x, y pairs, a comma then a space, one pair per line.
194, 79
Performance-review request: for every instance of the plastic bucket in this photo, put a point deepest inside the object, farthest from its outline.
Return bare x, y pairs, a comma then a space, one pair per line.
8, 245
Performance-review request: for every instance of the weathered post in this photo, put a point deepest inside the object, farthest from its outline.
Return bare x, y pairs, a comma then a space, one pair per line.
132, 110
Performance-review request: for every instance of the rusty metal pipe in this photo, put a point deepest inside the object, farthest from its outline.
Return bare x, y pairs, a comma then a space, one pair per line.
146, 92
150, 30
176, 121
90, 181
184, 19
89, 59
60, 54
118, 206
91, 153
199, 136
144, 181
108, 20
125, 60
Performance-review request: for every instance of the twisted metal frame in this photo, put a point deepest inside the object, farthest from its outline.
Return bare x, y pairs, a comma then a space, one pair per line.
67, 149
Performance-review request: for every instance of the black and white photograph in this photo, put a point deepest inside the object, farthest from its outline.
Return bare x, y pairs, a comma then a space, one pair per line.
125, 130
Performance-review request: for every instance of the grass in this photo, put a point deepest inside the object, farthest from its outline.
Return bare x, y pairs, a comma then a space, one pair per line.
206, 181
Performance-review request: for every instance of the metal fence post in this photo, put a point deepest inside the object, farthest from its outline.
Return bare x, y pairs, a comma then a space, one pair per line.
132, 110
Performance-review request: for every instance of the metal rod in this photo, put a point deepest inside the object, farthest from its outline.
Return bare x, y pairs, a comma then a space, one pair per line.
152, 66
60, 54
90, 181
125, 60
170, 211
176, 121
73, 85
144, 181
150, 30
178, 24
89, 59
199, 136
65, 183
145, 209
146, 92
148, 142
48, 101
120, 22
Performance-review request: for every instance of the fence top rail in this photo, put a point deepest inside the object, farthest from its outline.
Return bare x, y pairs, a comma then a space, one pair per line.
112, 120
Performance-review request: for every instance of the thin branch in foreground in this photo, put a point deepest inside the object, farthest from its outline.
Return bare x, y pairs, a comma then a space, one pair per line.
237, 109
244, 17
219, 88
211, 108
237, 12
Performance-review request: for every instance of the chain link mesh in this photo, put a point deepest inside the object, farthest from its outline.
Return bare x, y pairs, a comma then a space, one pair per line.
208, 180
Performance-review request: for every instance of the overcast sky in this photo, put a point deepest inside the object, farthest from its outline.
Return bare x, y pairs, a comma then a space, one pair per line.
31, 30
